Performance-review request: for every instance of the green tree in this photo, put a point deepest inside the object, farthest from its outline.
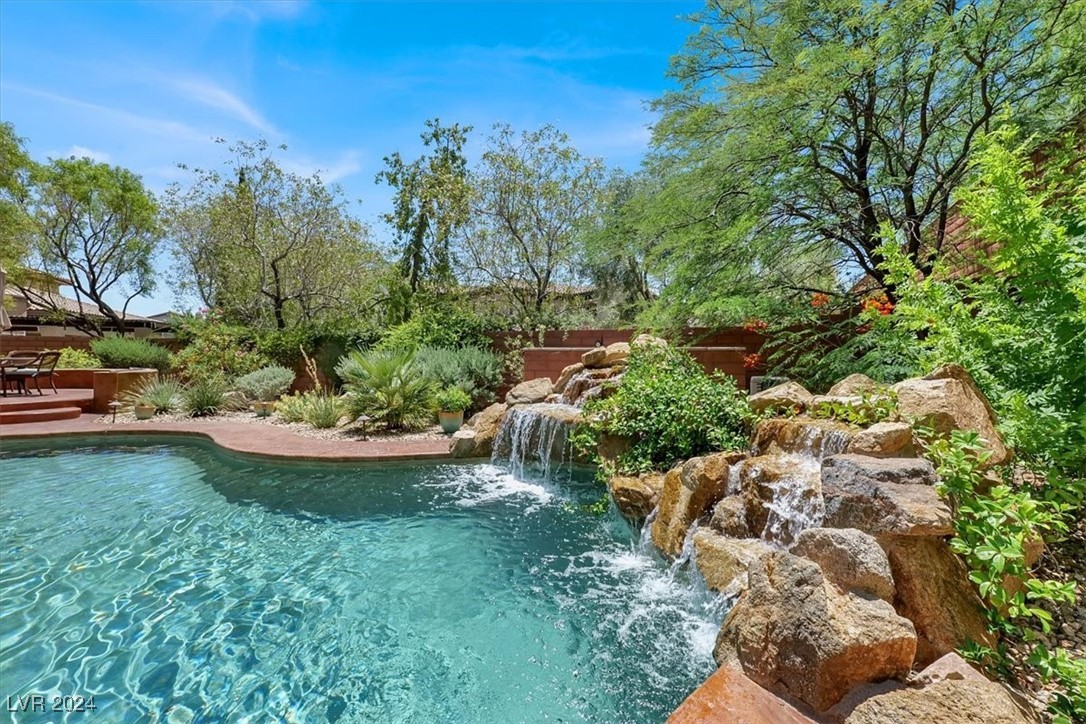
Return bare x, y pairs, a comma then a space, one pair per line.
533, 194
430, 204
96, 228
16, 227
268, 248
801, 127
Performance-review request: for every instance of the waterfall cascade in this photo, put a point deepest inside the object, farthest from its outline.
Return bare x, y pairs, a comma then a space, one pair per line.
536, 435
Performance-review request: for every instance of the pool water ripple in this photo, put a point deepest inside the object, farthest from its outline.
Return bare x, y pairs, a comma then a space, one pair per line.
177, 584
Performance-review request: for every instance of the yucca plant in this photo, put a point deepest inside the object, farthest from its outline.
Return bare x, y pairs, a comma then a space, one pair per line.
322, 410
205, 396
387, 386
165, 394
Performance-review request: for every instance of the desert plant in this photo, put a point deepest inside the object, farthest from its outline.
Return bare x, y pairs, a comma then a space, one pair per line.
291, 408
265, 384
71, 358
165, 394
124, 352
387, 386
205, 396
478, 372
322, 410
452, 399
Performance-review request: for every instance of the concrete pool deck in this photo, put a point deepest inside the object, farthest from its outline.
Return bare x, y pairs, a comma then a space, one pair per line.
261, 440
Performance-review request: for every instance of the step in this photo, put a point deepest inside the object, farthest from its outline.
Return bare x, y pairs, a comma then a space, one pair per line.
48, 414
67, 398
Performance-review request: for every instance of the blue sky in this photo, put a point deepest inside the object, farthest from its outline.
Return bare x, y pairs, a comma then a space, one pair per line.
149, 84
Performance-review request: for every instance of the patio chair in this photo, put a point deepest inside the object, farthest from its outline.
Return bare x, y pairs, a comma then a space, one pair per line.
42, 366
12, 361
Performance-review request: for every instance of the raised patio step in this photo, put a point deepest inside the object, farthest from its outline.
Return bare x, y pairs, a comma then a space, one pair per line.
47, 414
13, 402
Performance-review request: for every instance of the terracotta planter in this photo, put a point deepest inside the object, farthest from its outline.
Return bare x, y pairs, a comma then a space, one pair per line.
144, 412
451, 421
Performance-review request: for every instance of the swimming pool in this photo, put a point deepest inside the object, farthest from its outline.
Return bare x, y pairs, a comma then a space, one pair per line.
173, 580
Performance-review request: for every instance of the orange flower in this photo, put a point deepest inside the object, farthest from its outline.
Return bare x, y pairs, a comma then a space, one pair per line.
818, 299
754, 325
753, 360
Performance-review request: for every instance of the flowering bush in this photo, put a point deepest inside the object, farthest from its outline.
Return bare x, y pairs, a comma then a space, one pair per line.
216, 349
754, 325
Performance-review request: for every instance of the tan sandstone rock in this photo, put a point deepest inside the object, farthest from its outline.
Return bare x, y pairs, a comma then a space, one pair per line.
789, 395
730, 517
728, 696
854, 385
932, 589
530, 392
883, 496
948, 399
690, 491
819, 438
949, 692
772, 483
609, 356
723, 562
564, 377
851, 559
647, 340
884, 440
794, 633
476, 438
636, 495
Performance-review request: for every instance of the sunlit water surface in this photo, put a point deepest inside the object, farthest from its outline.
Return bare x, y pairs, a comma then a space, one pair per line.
174, 583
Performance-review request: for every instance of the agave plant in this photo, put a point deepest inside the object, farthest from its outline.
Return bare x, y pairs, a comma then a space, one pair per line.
387, 386
165, 394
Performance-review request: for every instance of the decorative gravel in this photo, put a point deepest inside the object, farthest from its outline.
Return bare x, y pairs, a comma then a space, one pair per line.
351, 432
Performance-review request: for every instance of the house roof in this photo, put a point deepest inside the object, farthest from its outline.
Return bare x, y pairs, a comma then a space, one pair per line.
40, 302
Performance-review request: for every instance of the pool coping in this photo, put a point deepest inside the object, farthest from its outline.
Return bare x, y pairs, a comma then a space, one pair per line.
263, 441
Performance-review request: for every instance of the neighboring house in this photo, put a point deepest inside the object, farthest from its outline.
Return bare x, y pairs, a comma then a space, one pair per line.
38, 309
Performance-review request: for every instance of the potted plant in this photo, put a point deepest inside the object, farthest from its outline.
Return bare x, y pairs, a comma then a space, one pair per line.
451, 404
144, 411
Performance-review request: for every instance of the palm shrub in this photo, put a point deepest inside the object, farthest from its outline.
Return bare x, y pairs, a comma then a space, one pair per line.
388, 386
205, 396
669, 409
265, 384
165, 394
124, 352
478, 372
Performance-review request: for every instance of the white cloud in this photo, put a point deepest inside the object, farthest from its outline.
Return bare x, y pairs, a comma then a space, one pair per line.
254, 10
348, 164
84, 152
212, 95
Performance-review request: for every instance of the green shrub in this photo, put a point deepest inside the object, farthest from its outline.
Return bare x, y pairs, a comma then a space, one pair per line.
439, 327
71, 359
452, 399
388, 386
205, 396
216, 349
265, 384
478, 372
871, 408
322, 410
165, 394
124, 352
669, 409
291, 408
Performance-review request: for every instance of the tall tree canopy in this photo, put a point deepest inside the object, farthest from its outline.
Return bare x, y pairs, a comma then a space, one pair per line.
534, 192
270, 248
95, 227
430, 203
801, 126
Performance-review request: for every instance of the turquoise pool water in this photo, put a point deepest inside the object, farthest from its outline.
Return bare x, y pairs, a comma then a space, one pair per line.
174, 583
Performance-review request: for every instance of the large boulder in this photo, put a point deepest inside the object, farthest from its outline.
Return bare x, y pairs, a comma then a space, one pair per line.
782, 495
854, 385
949, 691
586, 385
636, 495
794, 633
476, 438
612, 447
609, 356
690, 491
883, 496
884, 440
948, 399
565, 376
786, 396
728, 696
647, 340
530, 392
801, 435
723, 562
730, 517
851, 559
932, 589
